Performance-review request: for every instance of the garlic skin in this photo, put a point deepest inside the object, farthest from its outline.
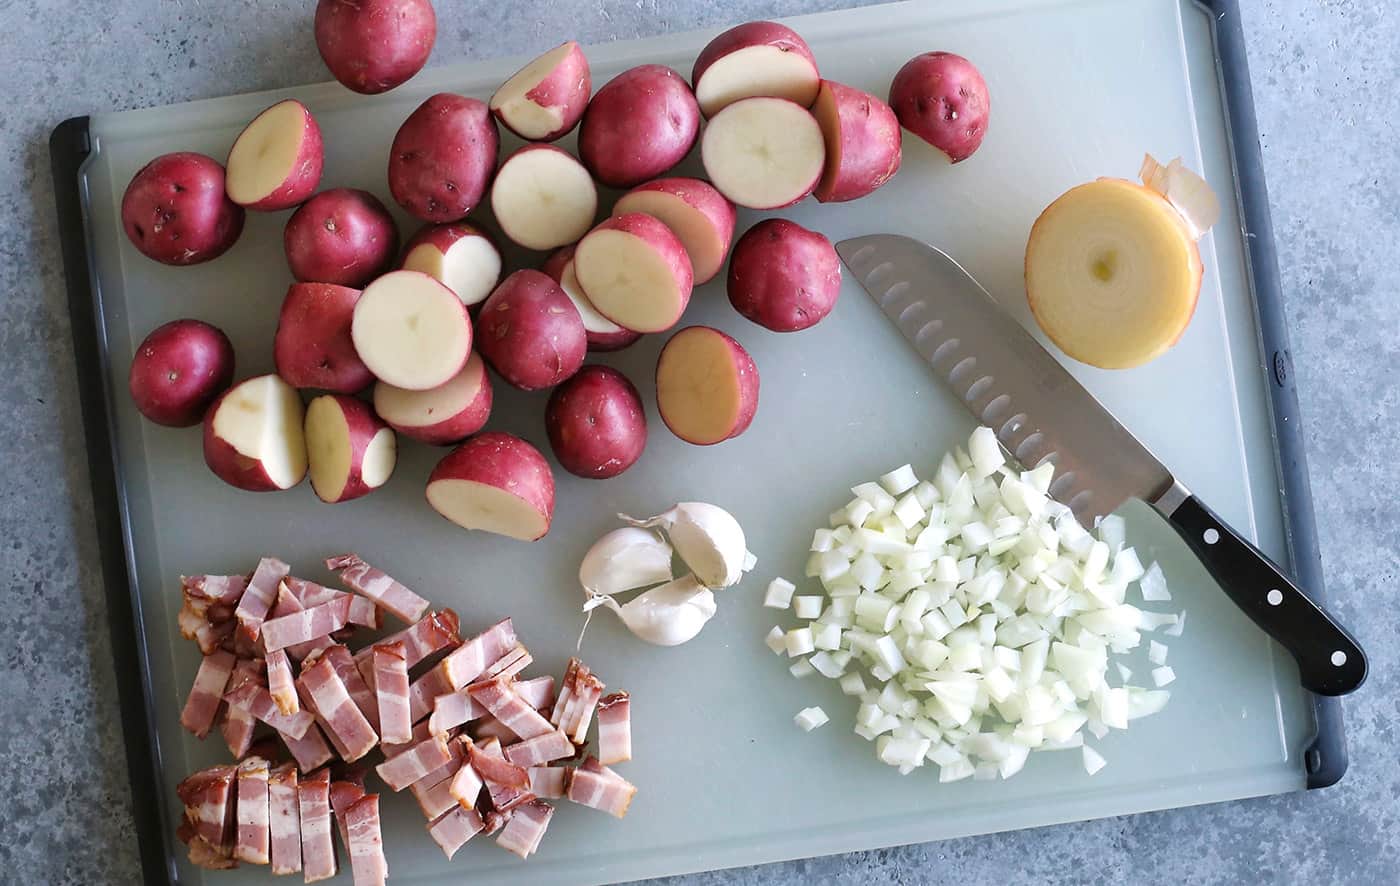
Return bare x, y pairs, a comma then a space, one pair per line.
668, 615
625, 559
708, 539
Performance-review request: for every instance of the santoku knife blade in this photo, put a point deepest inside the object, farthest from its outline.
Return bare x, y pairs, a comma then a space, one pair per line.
1039, 411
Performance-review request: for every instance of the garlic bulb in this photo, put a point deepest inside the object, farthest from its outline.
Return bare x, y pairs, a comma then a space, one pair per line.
668, 615
625, 559
708, 539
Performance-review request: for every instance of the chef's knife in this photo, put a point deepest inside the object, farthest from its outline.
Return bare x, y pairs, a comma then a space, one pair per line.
1038, 411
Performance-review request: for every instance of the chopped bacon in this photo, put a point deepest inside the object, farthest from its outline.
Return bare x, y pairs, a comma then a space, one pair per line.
598, 787
333, 703
391, 691
310, 750
508, 665
309, 593
434, 790
286, 605
280, 683
259, 596
366, 843
420, 732
207, 612
306, 625
465, 786
202, 706
237, 728
454, 828
423, 691
364, 579
507, 784
284, 823
548, 782
309, 704
344, 793
615, 729
490, 727
360, 692
506, 705
452, 710
404, 769
525, 830
201, 855
540, 749
469, 661
317, 848
252, 698
538, 693
208, 799
587, 690
431, 633
566, 691
493, 820
253, 840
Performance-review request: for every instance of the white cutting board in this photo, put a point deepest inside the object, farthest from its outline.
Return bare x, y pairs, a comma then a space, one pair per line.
1078, 90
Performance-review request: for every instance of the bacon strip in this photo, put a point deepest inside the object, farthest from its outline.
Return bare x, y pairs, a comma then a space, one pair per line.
452, 710
333, 703
508, 665
548, 782
288, 604
454, 828
360, 693
364, 579
540, 749
202, 706
309, 593
404, 769
252, 698
430, 634
237, 728
466, 785
306, 625
206, 614
310, 750
253, 839
469, 661
506, 705
207, 796
437, 798
317, 848
525, 830
259, 596
309, 704
420, 732
507, 784
391, 691
284, 822
280, 684
615, 729
587, 690
366, 842
598, 787
344, 794
490, 727
538, 693
423, 691
566, 691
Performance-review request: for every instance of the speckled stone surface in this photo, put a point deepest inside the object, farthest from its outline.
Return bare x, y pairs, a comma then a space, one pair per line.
1327, 85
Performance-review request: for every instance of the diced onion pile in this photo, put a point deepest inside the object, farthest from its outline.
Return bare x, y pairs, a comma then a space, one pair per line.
974, 618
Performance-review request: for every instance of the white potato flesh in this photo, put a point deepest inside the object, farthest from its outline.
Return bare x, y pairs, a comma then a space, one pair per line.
411, 331
756, 71
528, 119
262, 420
763, 153
703, 244
592, 320
544, 198
470, 267
266, 153
628, 281
474, 505
380, 455
421, 409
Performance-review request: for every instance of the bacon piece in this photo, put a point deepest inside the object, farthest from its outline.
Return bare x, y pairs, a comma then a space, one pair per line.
598, 787
314, 806
366, 842
454, 828
206, 613
284, 822
404, 769
253, 839
452, 710
525, 830
540, 749
615, 729
333, 703
508, 665
309, 704
202, 706
306, 625
364, 579
344, 794
287, 604
202, 856
469, 661
566, 691
208, 799
538, 693
423, 691
548, 782
309, 593
280, 684
507, 784
252, 698
493, 820
506, 705
259, 596
430, 634
588, 689
490, 727
310, 750
420, 732
465, 786
391, 691
237, 728
435, 799
360, 693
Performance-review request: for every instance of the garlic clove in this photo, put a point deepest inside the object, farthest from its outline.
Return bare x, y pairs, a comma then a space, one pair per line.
668, 615
624, 560
706, 537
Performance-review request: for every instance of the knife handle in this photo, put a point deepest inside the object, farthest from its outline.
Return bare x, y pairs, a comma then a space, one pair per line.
1330, 661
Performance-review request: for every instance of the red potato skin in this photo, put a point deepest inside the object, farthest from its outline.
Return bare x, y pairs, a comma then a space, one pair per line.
568, 86
747, 372
176, 211
303, 181
178, 370
530, 332
596, 423
455, 428
342, 236
784, 277
312, 347
640, 124
226, 462
443, 157
371, 46
362, 424
651, 230
867, 141
704, 199
942, 98
488, 458
761, 33
598, 342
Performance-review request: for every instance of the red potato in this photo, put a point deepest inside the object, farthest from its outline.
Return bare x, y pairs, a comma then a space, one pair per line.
784, 277
763, 153
603, 334
178, 370
596, 422
175, 210
640, 124
635, 272
313, 347
442, 157
545, 99
862, 142
496, 483
254, 437
445, 414
543, 198
754, 59
706, 386
411, 331
350, 451
343, 236
694, 211
457, 255
371, 46
530, 332
942, 98
275, 163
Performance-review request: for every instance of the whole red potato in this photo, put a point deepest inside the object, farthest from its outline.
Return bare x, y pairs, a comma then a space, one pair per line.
942, 98
175, 210
343, 236
640, 124
530, 332
596, 423
784, 277
312, 347
179, 369
443, 157
371, 46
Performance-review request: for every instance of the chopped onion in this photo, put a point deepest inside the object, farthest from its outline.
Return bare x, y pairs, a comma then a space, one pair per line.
808, 607
1162, 676
779, 594
1175, 629
1157, 653
1153, 585
808, 719
801, 668
776, 640
1093, 760
900, 480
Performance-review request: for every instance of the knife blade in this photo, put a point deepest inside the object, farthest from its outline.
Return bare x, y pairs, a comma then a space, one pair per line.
1039, 412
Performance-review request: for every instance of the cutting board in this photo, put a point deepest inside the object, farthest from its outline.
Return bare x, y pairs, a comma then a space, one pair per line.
1080, 89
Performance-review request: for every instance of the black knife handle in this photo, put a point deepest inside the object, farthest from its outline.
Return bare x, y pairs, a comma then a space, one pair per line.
1329, 660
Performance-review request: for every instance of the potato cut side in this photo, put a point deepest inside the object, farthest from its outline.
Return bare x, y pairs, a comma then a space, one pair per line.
262, 420
474, 505
592, 320
470, 267
411, 331
528, 118
692, 227
698, 389
756, 71
628, 281
265, 154
328, 447
381, 453
423, 409
1112, 274
543, 198
763, 153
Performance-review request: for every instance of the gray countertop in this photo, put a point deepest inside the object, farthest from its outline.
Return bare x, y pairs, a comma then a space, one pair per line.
1327, 87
